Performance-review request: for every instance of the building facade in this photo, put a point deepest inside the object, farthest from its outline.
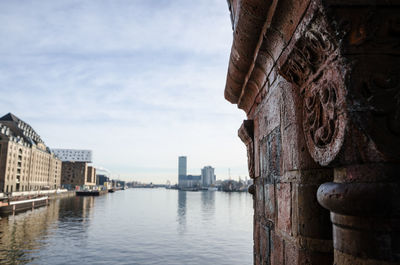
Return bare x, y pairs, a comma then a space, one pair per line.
319, 82
76, 170
186, 181
91, 176
74, 174
102, 176
207, 176
79, 155
26, 163
101, 179
182, 169
190, 181
182, 166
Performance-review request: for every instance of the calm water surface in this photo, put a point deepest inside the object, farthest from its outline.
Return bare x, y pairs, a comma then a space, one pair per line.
135, 226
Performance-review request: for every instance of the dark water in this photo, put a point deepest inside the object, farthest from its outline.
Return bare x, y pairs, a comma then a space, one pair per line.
136, 226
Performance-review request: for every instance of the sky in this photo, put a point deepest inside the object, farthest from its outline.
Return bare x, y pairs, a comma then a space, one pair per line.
139, 82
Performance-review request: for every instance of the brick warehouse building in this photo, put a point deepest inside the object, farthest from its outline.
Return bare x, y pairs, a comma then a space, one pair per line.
320, 83
76, 170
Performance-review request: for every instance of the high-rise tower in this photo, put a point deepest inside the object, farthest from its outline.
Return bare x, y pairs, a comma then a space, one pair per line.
182, 167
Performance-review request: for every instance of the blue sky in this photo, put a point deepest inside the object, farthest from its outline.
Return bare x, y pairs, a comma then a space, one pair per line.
139, 82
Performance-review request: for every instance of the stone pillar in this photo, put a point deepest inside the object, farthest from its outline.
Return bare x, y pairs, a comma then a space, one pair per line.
345, 59
319, 81
364, 202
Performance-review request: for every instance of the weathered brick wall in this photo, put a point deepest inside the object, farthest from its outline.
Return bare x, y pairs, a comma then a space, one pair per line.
74, 173
290, 227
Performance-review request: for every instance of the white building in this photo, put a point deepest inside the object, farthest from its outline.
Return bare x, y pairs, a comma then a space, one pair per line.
73, 155
207, 176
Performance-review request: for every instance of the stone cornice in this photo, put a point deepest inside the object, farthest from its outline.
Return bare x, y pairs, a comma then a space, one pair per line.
261, 28
250, 19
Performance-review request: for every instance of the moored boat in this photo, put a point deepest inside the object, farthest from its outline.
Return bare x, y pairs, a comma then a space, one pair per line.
90, 192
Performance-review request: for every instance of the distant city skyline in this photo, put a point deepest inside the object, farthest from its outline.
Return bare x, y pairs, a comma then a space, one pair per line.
137, 82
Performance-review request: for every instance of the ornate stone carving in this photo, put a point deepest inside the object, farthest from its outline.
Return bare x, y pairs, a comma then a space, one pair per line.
319, 114
310, 53
312, 67
324, 118
370, 99
246, 134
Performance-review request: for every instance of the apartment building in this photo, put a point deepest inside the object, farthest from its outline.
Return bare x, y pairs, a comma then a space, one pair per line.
76, 170
26, 163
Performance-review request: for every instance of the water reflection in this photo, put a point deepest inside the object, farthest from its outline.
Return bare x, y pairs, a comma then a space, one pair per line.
77, 209
75, 218
201, 204
23, 235
181, 211
208, 205
138, 226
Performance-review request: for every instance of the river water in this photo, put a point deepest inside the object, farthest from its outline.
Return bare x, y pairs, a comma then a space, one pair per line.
135, 226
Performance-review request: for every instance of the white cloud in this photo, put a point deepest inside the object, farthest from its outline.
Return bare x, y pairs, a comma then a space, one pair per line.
139, 82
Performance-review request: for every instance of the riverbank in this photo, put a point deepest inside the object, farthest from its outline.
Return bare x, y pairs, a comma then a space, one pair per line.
67, 193
23, 201
50, 193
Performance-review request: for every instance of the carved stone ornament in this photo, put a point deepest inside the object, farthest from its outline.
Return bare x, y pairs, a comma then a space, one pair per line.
312, 66
309, 54
246, 134
324, 120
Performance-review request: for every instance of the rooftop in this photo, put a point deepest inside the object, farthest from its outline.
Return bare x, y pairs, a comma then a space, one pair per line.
19, 129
